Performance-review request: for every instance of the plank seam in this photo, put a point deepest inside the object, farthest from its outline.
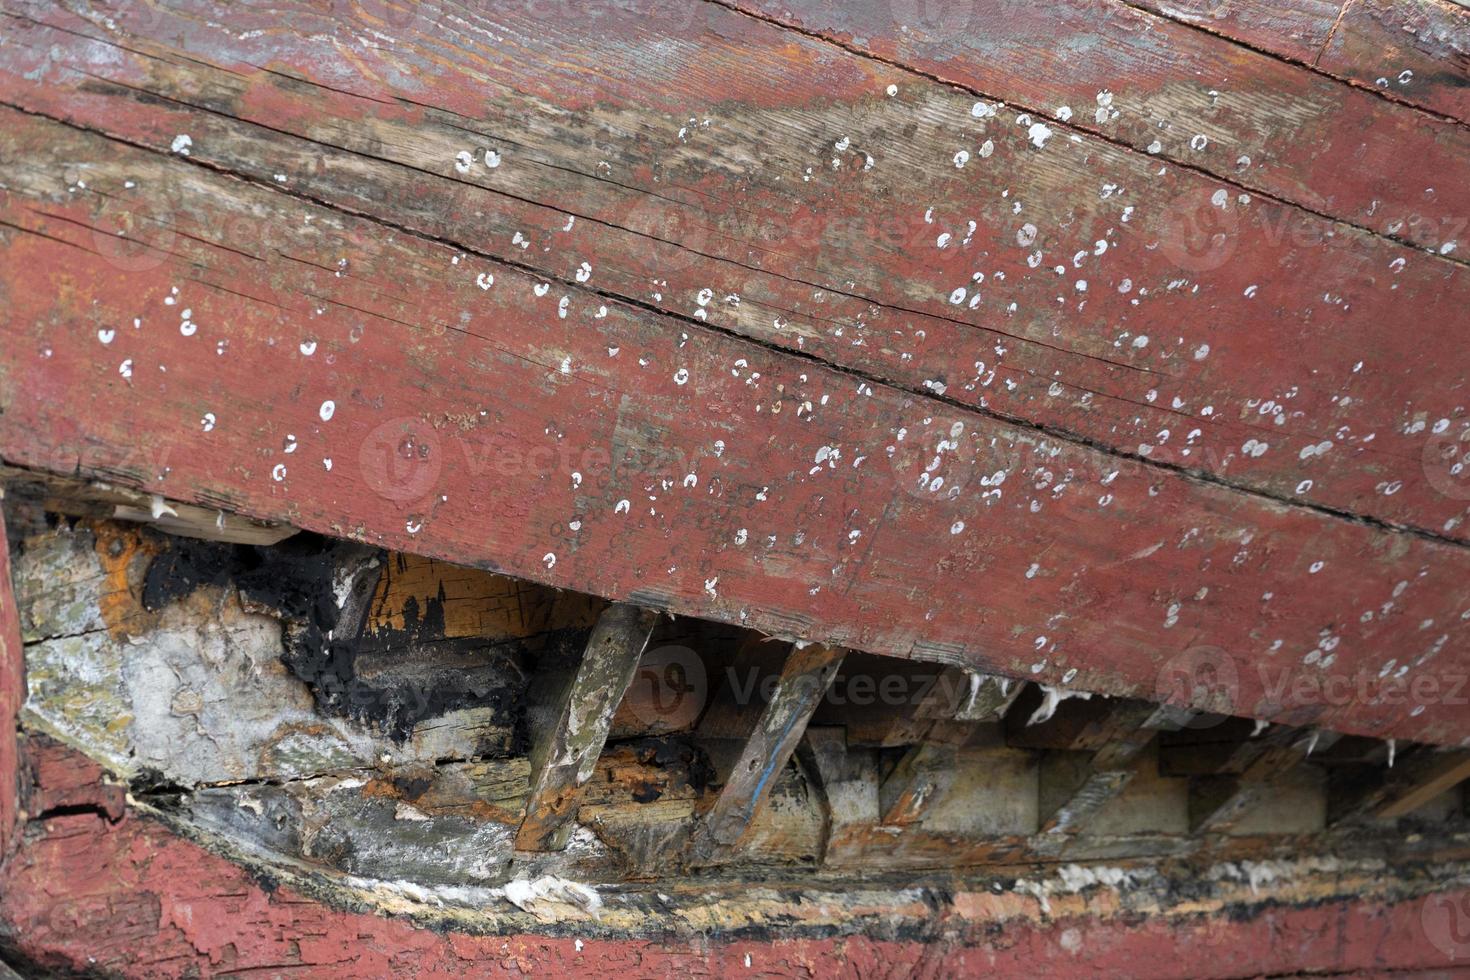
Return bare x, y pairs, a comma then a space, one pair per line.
1084, 133
1386, 96
1047, 429
1331, 32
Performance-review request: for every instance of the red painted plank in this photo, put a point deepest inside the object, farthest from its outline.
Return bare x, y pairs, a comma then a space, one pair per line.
12, 690
620, 452
1294, 29
1413, 51
133, 899
1270, 356
1184, 95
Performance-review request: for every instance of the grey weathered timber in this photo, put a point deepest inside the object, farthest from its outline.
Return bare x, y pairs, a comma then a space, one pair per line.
1421, 774
565, 757
1076, 791
1217, 803
805, 677
945, 718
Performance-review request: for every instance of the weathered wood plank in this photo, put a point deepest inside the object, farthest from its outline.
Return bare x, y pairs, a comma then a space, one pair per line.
924, 773
1218, 803
1147, 360
71, 918
944, 719
566, 756
1075, 788
1383, 793
12, 691
1162, 88
805, 677
1294, 29
1414, 51
533, 434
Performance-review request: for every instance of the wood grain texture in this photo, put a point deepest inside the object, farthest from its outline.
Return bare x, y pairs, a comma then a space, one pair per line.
565, 757
1168, 90
1417, 50
1099, 294
601, 451
134, 899
1411, 51
1417, 777
724, 828
472, 421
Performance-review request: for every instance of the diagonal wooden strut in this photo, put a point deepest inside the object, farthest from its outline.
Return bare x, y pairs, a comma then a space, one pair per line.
564, 759
805, 677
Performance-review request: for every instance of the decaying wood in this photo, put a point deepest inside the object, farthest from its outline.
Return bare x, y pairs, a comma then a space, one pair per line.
101, 501
1414, 51
1071, 349
805, 677
1185, 261
944, 719
1075, 789
566, 755
169, 906
1209, 560
1390, 793
1218, 803
1191, 538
